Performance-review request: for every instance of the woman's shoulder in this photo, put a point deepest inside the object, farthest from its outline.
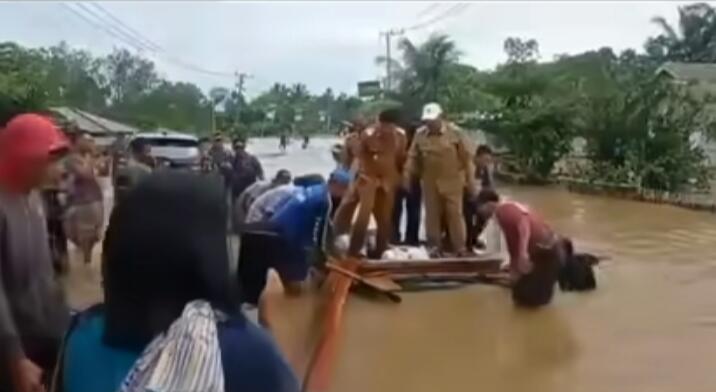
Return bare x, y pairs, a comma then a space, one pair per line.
252, 360
87, 363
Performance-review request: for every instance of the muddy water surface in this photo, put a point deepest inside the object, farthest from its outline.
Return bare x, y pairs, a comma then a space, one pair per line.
651, 325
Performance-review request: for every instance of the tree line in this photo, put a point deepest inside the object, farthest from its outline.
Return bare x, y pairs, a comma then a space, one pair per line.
126, 87
638, 127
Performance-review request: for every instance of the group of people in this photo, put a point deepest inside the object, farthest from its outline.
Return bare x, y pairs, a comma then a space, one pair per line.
74, 202
436, 161
396, 166
284, 139
166, 282
171, 315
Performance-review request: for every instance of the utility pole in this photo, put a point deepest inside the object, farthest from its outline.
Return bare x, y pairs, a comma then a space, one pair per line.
240, 80
388, 36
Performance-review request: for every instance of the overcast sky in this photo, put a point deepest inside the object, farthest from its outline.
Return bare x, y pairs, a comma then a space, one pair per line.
327, 44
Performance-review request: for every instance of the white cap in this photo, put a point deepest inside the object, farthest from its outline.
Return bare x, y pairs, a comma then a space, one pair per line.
432, 111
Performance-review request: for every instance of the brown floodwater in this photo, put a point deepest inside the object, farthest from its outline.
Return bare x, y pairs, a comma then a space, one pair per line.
650, 326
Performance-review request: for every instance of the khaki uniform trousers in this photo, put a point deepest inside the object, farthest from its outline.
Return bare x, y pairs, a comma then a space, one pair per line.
373, 197
444, 205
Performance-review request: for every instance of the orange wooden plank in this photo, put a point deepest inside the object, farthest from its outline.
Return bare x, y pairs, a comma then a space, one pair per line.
337, 286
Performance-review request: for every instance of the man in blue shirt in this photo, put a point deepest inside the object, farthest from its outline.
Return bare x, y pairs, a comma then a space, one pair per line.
285, 241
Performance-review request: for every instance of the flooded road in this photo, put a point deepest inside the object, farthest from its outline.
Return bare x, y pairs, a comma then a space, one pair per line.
650, 326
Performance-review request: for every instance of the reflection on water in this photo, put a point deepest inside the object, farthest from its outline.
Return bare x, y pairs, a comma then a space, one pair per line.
651, 325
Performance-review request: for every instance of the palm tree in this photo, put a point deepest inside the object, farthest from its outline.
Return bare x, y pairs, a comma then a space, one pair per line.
299, 92
694, 40
422, 68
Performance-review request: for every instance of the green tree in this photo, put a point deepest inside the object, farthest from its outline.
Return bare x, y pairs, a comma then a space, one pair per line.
642, 134
73, 78
535, 116
423, 70
128, 77
692, 41
521, 51
21, 74
179, 106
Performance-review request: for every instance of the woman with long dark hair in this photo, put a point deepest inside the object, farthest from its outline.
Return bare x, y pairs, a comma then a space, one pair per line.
171, 318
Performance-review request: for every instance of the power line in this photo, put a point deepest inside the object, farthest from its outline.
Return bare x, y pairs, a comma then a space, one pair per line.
430, 8
99, 26
131, 37
455, 9
127, 28
158, 50
113, 28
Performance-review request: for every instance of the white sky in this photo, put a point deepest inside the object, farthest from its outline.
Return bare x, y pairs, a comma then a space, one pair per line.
329, 44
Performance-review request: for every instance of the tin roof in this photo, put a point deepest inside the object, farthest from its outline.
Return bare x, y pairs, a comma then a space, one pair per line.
91, 123
703, 72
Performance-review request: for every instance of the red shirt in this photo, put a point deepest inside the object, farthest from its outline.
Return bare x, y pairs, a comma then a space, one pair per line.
523, 229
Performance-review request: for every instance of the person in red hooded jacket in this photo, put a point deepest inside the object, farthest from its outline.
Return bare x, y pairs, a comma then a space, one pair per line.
33, 311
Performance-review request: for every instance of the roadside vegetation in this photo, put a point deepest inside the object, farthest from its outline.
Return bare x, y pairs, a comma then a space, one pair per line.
638, 127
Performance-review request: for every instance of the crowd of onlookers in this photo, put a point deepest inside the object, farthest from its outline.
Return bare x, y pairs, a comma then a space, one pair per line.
165, 275
171, 317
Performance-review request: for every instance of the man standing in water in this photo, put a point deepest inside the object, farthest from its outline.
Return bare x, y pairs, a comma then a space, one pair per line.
441, 157
474, 223
381, 154
33, 312
536, 252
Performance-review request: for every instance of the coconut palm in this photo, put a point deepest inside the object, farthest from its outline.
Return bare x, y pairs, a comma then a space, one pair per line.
694, 40
423, 66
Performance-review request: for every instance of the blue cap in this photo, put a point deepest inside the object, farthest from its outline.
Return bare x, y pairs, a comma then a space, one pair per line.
342, 176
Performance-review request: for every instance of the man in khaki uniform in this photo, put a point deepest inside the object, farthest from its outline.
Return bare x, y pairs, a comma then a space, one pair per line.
441, 156
381, 154
352, 143
351, 151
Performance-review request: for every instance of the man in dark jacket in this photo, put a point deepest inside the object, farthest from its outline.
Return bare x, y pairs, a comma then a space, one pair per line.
474, 223
246, 169
412, 201
139, 165
33, 312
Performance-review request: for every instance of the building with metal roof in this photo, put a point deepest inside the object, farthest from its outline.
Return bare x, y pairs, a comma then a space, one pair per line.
103, 130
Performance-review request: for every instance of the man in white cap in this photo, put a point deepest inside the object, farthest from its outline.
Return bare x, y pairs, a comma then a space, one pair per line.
441, 156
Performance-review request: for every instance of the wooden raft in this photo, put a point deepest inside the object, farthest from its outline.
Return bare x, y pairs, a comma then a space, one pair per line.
337, 287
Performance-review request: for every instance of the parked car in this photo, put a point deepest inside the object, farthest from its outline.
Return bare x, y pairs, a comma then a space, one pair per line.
173, 149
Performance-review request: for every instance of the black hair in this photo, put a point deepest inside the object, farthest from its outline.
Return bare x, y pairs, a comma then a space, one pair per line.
137, 145
577, 273
487, 195
308, 180
283, 172
483, 149
165, 246
390, 116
